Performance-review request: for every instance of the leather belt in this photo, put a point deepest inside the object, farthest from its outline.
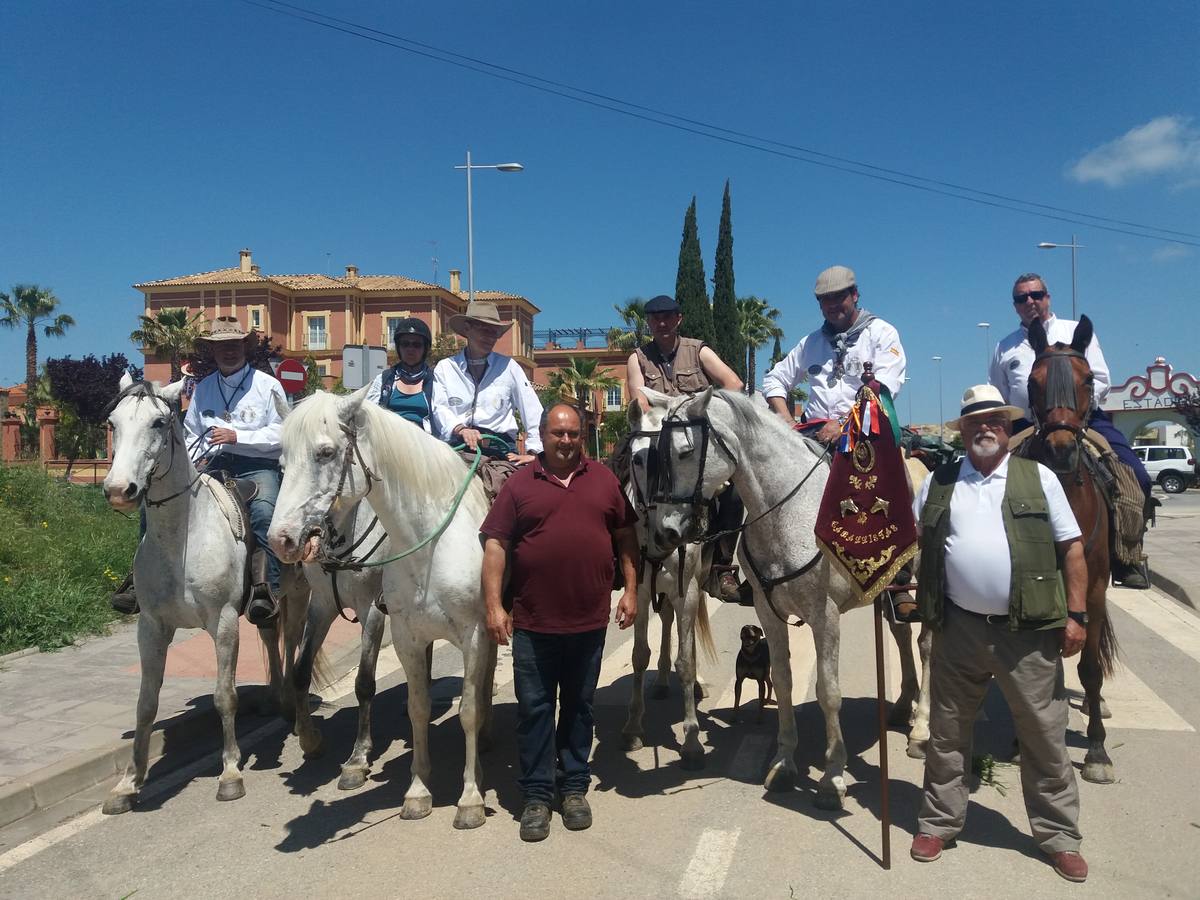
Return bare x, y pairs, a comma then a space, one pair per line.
989, 618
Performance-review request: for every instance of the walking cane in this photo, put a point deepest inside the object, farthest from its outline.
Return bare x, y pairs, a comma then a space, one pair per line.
884, 809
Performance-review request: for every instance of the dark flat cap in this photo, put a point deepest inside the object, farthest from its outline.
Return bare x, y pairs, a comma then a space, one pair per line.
661, 304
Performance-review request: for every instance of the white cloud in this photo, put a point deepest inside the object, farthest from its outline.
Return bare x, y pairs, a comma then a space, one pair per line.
1168, 145
1170, 252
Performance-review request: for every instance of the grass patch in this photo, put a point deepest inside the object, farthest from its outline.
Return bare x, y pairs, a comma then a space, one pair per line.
62, 553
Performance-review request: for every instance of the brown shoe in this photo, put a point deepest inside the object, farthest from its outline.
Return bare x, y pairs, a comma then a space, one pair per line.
1070, 865
926, 848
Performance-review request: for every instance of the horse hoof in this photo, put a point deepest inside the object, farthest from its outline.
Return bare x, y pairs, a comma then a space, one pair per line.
660, 692
829, 800
630, 742
352, 779
691, 762
417, 808
780, 780
116, 804
231, 790
469, 817
1098, 773
916, 749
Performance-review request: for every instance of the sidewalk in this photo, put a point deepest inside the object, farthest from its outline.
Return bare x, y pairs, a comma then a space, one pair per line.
1173, 547
67, 718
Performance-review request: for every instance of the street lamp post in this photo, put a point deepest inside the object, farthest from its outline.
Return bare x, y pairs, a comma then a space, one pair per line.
1074, 245
987, 348
501, 167
941, 418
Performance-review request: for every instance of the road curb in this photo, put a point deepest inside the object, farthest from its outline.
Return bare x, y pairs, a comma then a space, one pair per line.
83, 770
1173, 588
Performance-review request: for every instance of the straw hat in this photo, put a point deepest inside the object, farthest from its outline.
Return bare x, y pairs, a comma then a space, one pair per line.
984, 399
225, 328
478, 311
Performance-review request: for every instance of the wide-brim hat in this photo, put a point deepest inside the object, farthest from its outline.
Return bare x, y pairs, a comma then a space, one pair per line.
478, 311
984, 399
225, 328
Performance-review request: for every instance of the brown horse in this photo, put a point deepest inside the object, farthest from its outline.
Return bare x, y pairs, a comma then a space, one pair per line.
1062, 396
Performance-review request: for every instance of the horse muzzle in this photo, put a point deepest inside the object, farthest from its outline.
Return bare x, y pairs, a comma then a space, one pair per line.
123, 496
303, 548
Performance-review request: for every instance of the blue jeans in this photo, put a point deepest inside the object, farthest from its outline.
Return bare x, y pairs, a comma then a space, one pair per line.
547, 666
265, 474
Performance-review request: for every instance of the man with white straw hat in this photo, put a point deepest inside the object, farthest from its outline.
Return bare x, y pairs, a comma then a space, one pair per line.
1005, 609
233, 422
831, 359
477, 391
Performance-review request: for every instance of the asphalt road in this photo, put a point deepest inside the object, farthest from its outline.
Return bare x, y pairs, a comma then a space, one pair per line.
660, 830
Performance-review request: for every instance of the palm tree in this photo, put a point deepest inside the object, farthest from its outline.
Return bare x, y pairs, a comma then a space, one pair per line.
635, 332
169, 333
28, 306
756, 326
580, 380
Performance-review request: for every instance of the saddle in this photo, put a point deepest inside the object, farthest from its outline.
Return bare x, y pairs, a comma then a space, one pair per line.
1118, 486
233, 496
494, 469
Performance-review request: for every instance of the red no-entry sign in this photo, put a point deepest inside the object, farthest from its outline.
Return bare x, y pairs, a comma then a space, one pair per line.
291, 375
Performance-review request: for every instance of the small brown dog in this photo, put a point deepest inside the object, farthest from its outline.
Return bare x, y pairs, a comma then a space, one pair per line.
753, 661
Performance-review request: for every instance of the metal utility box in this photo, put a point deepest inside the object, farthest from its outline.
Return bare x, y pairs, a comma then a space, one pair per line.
361, 363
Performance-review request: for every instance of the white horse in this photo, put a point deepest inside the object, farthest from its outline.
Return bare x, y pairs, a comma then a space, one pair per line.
337, 451
723, 436
189, 569
676, 585
363, 538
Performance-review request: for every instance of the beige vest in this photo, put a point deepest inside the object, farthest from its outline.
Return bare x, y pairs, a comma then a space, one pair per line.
686, 374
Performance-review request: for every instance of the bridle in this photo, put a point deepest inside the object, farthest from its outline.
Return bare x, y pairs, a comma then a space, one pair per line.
1060, 393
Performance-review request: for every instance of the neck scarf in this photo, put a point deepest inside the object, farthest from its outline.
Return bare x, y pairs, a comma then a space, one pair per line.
413, 376
843, 341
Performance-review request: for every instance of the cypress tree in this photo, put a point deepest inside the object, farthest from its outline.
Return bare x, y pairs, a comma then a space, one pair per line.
690, 290
726, 342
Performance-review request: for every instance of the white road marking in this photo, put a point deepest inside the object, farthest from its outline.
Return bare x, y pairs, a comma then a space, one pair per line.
709, 866
1162, 616
1132, 702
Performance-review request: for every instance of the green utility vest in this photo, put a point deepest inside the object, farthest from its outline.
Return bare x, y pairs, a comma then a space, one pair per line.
1036, 599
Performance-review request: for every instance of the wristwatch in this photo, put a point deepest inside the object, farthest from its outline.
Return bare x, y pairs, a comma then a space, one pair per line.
1080, 617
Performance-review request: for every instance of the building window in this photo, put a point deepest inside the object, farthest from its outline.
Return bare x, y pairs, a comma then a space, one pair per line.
612, 398
256, 317
391, 321
322, 368
315, 332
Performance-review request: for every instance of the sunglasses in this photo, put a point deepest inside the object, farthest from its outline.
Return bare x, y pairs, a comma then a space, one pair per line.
1018, 299
408, 345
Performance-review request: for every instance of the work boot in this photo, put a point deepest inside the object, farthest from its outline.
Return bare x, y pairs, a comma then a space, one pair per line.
263, 606
124, 600
1129, 576
576, 813
535, 821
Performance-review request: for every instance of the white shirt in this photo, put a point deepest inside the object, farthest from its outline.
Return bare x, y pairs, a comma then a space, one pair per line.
1013, 358
248, 395
978, 562
811, 360
503, 388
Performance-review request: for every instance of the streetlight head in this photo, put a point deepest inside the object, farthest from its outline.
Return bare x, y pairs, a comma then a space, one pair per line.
936, 358
983, 324
1046, 245
510, 167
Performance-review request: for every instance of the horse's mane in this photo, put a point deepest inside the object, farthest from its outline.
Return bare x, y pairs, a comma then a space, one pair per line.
750, 413
401, 453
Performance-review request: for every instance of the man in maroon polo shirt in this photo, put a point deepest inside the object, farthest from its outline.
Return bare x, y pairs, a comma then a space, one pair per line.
552, 527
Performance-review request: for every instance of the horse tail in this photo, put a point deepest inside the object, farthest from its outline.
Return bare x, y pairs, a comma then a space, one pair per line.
704, 631
1109, 649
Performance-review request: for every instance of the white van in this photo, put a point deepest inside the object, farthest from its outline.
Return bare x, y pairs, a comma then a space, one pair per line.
1173, 468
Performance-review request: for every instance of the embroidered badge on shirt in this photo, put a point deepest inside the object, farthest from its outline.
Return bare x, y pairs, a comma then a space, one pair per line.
814, 370
895, 351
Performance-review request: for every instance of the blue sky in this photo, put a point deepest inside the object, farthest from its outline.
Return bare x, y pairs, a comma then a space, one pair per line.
144, 140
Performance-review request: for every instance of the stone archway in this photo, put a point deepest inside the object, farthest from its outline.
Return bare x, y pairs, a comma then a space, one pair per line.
1143, 399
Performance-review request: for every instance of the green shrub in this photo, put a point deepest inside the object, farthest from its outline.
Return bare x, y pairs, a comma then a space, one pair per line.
62, 553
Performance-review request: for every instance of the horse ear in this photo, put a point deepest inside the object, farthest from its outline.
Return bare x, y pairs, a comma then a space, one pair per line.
1083, 335
171, 392
700, 401
126, 381
281, 407
656, 398
633, 412
1037, 336
348, 408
